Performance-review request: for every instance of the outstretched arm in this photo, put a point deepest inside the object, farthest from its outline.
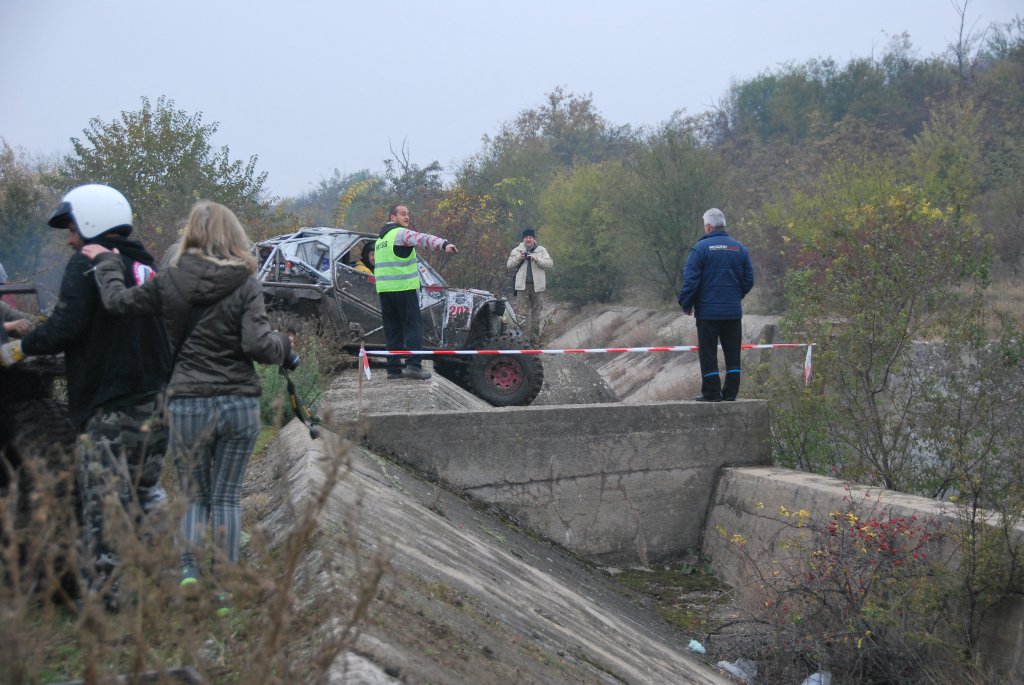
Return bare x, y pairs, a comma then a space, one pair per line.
410, 238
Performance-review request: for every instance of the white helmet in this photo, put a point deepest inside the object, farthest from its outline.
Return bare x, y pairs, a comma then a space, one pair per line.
94, 209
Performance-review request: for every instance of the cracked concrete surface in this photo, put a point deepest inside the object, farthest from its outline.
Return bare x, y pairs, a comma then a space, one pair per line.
473, 599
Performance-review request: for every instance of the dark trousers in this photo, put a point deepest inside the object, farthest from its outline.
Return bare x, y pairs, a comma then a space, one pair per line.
403, 327
709, 333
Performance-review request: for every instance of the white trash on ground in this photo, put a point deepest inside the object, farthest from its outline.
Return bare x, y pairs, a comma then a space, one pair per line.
742, 668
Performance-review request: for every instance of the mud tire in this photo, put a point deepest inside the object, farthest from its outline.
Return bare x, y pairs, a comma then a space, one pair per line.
37, 447
504, 380
40, 431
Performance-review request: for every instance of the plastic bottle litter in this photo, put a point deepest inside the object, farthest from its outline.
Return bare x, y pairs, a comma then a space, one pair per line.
696, 647
818, 679
741, 668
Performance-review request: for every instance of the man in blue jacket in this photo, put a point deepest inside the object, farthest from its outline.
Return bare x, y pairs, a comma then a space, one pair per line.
718, 274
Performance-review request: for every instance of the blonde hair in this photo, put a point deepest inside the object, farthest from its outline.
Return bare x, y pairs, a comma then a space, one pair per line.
215, 233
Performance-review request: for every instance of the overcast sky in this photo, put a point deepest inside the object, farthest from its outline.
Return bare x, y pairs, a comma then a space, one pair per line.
310, 86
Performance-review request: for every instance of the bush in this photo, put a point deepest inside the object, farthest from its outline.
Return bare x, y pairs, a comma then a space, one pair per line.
282, 628
857, 594
275, 407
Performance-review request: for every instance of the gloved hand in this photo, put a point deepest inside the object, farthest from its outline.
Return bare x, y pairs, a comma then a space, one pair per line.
291, 361
10, 353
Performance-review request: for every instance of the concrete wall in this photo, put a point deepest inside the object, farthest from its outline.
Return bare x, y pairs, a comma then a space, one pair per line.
746, 502
618, 484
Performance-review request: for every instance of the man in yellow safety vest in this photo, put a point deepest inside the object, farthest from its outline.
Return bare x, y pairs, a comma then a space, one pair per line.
398, 283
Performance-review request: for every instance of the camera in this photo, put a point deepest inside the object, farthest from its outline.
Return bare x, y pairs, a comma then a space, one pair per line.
291, 362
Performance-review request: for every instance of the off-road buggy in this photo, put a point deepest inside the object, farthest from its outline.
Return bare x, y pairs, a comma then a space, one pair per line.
310, 274
32, 422
37, 442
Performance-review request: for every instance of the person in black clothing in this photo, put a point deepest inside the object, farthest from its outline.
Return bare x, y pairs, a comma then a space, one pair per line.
116, 369
717, 276
366, 259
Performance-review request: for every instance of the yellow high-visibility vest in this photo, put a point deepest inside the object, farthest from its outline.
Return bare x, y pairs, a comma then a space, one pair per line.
393, 273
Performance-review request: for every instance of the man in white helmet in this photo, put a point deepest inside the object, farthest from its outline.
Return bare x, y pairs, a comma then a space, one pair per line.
116, 369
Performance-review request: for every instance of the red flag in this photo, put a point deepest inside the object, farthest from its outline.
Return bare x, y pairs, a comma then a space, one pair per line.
364, 360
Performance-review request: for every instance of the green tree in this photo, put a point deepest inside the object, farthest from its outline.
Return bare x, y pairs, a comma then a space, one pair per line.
527, 153
881, 268
163, 161
673, 179
27, 196
319, 206
947, 157
1000, 85
473, 223
583, 231
801, 101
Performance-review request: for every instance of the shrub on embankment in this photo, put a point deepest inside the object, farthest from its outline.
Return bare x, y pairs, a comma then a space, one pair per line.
885, 267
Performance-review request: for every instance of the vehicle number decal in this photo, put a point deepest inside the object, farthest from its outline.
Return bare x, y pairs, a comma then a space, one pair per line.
458, 310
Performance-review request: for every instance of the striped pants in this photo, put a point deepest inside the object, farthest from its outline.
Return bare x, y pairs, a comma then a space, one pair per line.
211, 439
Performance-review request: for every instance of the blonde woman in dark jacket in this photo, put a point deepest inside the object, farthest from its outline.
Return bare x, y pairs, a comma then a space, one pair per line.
217, 327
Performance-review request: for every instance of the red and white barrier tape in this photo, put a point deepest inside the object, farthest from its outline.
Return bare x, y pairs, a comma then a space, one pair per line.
584, 350
363, 353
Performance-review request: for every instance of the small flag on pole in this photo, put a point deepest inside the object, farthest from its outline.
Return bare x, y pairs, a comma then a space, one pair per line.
808, 369
364, 360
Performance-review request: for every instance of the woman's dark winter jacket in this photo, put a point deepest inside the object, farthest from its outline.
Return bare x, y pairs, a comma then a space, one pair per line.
718, 274
232, 330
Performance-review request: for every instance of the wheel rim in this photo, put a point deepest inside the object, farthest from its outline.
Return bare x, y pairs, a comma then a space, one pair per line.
504, 375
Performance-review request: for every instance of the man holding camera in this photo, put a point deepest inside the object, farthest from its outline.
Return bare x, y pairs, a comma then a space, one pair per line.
531, 260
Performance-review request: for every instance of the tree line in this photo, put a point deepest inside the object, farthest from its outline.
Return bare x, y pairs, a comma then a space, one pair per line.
619, 206
881, 199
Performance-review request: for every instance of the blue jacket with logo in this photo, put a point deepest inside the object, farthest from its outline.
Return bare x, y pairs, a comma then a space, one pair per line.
718, 274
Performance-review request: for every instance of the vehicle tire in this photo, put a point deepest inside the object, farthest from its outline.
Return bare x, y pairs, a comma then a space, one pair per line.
504, 380
37, 443
453, 370
37, 429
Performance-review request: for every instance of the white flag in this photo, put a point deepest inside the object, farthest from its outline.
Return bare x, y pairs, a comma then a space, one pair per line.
808, 370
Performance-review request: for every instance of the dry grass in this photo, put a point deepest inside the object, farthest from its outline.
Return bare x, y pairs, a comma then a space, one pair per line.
275, 631
1006, 296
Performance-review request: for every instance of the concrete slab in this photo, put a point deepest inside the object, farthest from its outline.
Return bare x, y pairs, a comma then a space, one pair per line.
617, 484
350, 394
470, 598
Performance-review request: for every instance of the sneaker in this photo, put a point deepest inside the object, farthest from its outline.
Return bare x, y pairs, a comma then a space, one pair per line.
112, 601
189, 578
416, 373
223, 603
701, 398
152, 498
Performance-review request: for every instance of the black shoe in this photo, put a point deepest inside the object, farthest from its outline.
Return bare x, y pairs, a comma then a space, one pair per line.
112, 601
728, 399
394, 376
416, 373
701, 398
